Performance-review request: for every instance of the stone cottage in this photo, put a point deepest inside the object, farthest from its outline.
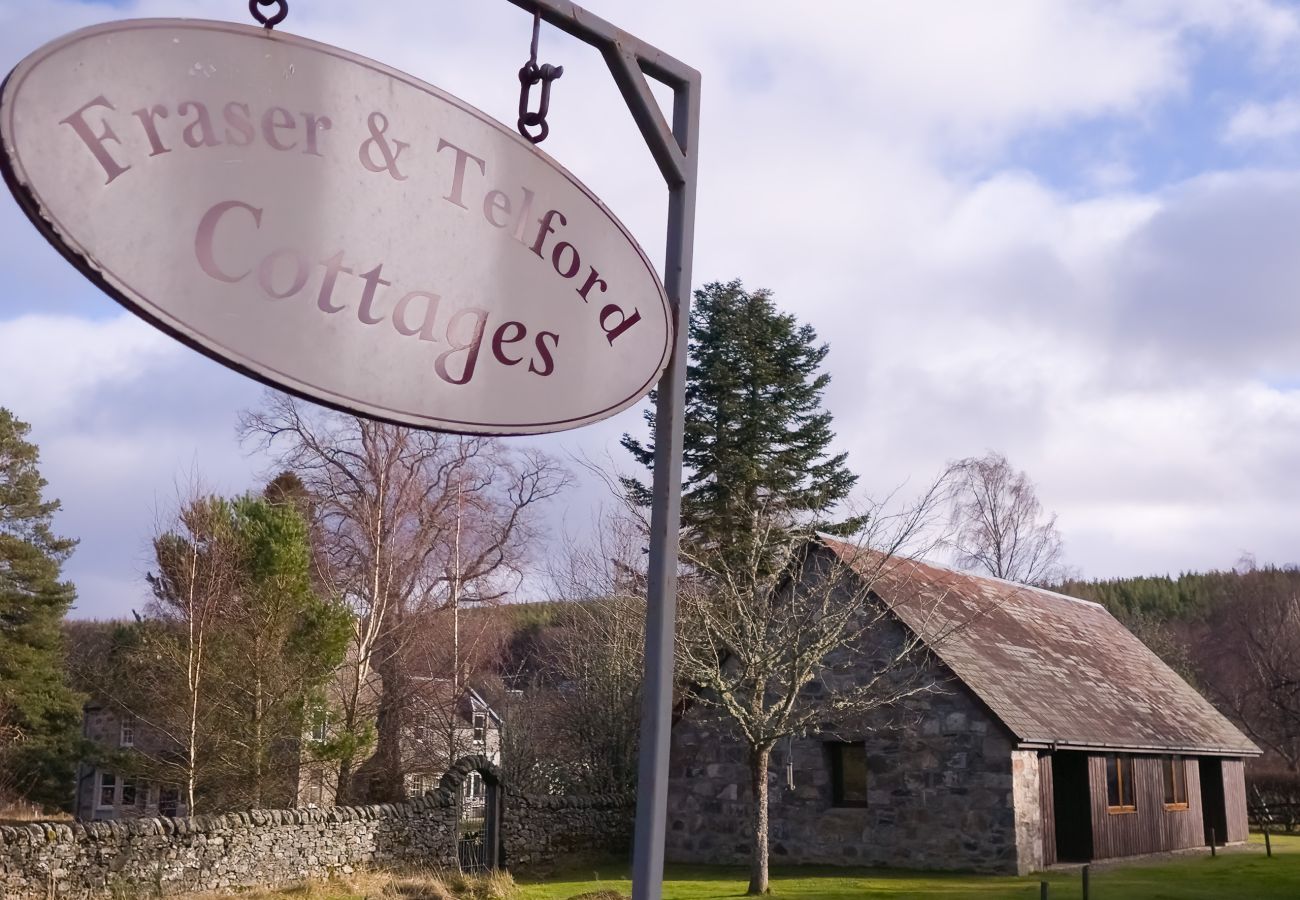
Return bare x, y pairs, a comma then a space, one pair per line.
109, 791
442, 726
1051, 734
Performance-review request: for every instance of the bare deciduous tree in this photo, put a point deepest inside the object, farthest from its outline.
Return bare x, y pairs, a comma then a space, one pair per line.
444, 672
406, 521
1251, 660
12, 801
999, 524
529, 763
757, 630
595, 656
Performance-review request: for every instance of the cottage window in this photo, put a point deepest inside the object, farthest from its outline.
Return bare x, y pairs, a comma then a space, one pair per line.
320, 726
1119, 784
316, 787
420, 784
848, 773
480, 728
126, 735
425, 729
1175, 771
128, 792
474, 786
169, 799
107, 789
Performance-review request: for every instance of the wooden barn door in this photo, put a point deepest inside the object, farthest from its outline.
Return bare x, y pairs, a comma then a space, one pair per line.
1071, 806
1214, 810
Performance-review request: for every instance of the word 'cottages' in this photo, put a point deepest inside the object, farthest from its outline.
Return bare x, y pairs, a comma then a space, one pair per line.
329, 278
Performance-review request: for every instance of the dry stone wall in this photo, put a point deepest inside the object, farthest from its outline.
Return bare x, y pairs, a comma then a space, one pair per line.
143, 857
162, 857
537, 830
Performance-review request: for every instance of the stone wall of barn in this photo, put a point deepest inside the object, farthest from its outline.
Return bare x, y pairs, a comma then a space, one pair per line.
269, 848
941, 784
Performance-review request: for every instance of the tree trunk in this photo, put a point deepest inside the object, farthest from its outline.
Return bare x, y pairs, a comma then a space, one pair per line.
758, 760
389, 720
259, 775
343, 787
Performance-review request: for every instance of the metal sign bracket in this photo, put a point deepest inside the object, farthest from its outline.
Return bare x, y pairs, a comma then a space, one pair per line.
676, 152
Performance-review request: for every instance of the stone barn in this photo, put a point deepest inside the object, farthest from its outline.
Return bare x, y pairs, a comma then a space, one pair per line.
1052, 735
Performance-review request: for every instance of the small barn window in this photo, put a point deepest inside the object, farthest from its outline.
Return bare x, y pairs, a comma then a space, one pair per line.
1119, 784
480, 727
848, 774
1175, 771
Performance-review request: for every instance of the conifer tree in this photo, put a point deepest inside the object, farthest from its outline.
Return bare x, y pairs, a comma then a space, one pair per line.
40, 713
239, 648
757, 440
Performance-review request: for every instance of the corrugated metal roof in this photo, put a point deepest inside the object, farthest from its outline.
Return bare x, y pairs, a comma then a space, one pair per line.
1054, 669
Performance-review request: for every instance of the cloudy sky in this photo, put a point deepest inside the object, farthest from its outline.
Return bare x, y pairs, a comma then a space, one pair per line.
1068, 231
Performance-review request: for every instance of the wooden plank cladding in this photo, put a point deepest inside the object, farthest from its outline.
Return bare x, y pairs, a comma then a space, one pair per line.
1143, 822
1046, 802
1234, 798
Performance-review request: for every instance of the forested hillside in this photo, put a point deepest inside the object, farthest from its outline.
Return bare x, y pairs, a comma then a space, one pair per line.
1189, 597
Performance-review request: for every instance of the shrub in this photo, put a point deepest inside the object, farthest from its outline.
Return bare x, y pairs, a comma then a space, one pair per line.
1273, 799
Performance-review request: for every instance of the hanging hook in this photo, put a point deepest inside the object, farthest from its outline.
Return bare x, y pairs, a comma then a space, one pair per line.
529, 75
275, 18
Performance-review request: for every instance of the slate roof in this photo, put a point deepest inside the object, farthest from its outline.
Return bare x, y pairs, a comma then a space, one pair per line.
1055, 670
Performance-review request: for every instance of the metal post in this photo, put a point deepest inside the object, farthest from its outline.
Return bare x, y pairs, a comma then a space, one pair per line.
1042, 890
674, 150
1213, 841
1268, 844
1086, 871
665, 518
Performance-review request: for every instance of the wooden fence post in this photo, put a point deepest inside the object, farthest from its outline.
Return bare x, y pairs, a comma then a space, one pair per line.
1086, 870
1268, 845
1213, 841
1042, 890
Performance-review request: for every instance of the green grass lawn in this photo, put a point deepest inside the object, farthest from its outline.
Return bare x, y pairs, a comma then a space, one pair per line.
1230, 876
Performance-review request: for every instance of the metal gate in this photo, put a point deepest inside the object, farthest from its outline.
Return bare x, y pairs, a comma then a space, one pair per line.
471, 851
477, 826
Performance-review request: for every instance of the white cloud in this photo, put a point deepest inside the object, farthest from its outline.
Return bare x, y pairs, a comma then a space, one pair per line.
1255, 122
1126, 348
52, 364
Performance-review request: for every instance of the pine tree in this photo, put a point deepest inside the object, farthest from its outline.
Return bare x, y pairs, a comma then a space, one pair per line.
39, 711
280, 643
757, 438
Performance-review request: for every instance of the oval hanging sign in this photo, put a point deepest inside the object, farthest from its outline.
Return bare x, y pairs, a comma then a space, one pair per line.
332, 227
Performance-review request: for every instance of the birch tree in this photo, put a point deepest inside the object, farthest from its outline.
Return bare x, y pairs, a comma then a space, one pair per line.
1000, 526
198, 570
